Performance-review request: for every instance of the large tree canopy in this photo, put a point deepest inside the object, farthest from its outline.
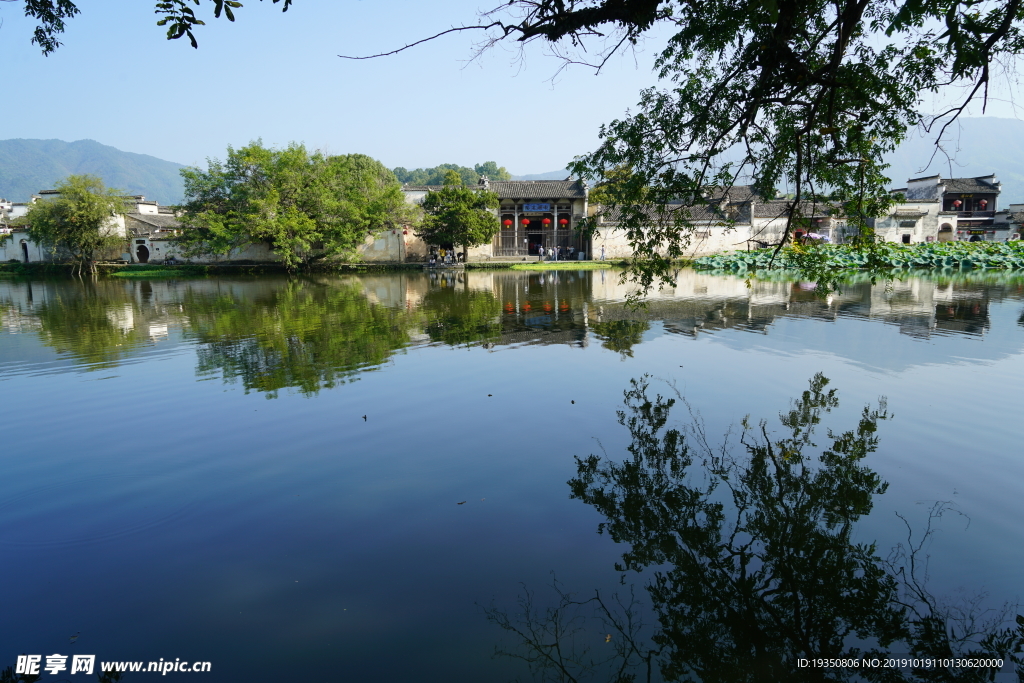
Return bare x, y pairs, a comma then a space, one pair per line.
305, 206
79, 223
459, 215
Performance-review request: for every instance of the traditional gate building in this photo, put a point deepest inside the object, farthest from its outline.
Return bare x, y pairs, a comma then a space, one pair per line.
532, 214
539, 213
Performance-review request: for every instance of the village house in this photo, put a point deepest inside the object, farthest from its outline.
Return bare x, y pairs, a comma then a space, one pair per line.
940, 209
546, 214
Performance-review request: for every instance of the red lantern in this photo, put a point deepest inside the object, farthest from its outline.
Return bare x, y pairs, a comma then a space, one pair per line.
984, 203
525, 222
957, 203
563, 222
405, 232
507, 222
546, 222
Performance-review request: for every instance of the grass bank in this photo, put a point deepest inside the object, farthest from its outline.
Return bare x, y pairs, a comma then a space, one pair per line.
157, 272
930, 255
562, 265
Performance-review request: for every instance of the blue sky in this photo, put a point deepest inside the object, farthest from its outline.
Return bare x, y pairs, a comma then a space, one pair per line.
277, 77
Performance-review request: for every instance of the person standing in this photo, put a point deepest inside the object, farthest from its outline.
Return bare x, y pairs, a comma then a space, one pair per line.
602, 252
540, 250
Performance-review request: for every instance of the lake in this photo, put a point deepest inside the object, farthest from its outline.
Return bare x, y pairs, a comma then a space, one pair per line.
398, 477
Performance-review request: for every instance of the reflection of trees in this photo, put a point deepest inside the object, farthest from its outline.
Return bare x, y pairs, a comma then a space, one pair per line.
94, 323
456, 316
620, 335
301, 335
755, 566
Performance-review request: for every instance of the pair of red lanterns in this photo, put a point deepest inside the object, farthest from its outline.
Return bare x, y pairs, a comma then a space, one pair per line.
982, 203
546, 221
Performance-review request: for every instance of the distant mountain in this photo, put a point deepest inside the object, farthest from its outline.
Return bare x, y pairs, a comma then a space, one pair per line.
28, 166
978, 146
550, 175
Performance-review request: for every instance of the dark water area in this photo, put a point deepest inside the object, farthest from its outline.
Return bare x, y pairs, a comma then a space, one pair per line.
419, 477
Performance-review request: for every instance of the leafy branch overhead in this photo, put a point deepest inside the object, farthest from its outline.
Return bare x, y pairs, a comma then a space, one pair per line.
177, 15
806, 95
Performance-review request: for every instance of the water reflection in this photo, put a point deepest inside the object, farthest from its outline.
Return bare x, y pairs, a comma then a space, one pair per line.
310, 334
304, 335
754, 559
94, 324
458, 315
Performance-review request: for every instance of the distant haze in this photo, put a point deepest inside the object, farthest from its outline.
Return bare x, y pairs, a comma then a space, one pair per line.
978, 147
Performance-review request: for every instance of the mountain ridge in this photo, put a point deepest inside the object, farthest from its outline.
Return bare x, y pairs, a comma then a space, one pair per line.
30, 165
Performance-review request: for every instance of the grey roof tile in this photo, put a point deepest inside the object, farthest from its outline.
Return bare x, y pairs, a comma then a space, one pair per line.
982, 184
538, 189
154, 221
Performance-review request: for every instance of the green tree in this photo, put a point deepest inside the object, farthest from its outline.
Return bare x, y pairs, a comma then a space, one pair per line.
306, 207
79, 224
459, 215
493, 171
436, 175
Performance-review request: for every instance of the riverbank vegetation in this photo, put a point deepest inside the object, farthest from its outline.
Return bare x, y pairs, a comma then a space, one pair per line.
143, 272
932, 255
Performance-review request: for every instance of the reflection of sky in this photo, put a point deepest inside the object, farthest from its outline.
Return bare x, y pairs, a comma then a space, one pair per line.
877, 344
292, 538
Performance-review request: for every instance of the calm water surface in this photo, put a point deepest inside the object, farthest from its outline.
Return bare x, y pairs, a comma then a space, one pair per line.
364, 478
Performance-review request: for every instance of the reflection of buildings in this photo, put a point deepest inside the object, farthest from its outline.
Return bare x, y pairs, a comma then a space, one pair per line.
108, 321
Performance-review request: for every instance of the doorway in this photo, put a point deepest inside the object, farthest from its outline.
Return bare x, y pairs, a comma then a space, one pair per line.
536, 240
906, 239
24, 251
142, 253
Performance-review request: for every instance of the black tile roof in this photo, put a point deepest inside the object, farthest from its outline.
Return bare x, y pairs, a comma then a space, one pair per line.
538, 189
613, 216
778, 208
153, 222
982, 184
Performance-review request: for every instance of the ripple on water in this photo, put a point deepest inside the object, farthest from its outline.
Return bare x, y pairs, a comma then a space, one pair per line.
91, 510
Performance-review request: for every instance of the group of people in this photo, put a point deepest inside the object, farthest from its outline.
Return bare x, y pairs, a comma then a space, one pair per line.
556, 253
445, 256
